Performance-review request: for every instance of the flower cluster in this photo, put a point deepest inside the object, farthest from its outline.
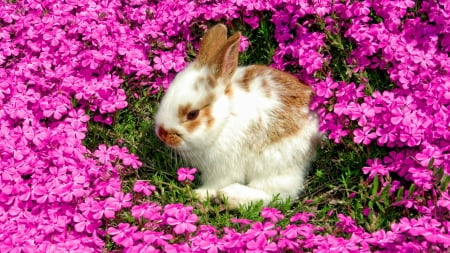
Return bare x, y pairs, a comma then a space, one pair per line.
178, 223
412, 116
63, 63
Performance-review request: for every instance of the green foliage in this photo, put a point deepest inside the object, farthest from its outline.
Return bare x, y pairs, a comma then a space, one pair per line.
262, 44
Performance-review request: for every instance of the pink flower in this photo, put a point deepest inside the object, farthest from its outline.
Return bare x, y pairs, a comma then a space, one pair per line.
83, 224
123, 234
143, 187
150, 211
266, 229
186, 174
181, 218
364, 135
375, 168
271, 214
261, 244
303, 217
326, 88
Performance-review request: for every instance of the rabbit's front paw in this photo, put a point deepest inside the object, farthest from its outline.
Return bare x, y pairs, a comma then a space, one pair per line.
203, 194
236, 195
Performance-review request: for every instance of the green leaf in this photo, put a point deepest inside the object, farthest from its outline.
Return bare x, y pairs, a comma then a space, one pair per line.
400, 192
375, 185
411, 190
444, 183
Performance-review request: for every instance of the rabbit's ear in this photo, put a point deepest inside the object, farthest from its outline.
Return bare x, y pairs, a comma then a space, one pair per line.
211, 43
226, 60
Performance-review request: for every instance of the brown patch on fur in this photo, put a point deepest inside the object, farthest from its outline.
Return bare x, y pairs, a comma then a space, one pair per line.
286, 120
183, 110
207, 101
197, 65
170, 137
252, 72
204, 117
191, 125
198, 84
211, 81
228, 91
207, 115
266, 87
293, 93
203, 82
295, 98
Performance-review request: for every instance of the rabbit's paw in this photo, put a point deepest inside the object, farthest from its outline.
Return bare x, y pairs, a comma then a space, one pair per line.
236, 195
203, 194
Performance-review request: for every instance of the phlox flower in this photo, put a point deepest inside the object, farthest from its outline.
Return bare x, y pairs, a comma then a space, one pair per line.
84, 224
386, 135
422, 177
150, 211
444, 201
162, 63
206, 240
348, 224
177, 248
181, 218
186, 174
260, 229
271, 214
123, 199
116, 203
261, 244
364, 135
131, 160
303, 217
428, 153
232, 240
375, 167
156, 238
55, 106
288, 238
107, 187
326, 88
103, 154
123, 234
241, 221
92, 208
45, 193
244, 44
143, 187
35, 133
140, 247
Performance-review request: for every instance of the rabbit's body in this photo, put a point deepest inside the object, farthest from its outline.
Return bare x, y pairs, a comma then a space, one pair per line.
253, 135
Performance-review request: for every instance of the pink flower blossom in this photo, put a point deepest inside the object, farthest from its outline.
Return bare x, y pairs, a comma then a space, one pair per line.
143, 187
181, 218
271, 214
123, 234
186, 174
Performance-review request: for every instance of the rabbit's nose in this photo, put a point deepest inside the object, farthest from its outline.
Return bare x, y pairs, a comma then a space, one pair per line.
161, 132
170, 137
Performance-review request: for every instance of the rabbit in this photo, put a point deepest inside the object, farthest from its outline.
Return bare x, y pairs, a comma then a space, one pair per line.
247, 129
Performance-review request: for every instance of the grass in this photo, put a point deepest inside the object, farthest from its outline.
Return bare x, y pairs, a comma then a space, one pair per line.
335, 176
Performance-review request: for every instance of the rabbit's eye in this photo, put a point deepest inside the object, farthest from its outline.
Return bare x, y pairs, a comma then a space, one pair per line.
193, 114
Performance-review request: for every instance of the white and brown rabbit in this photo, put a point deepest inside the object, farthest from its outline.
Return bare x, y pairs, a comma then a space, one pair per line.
249, 130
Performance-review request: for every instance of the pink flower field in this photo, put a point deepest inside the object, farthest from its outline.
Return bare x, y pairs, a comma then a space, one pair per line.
67, 64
